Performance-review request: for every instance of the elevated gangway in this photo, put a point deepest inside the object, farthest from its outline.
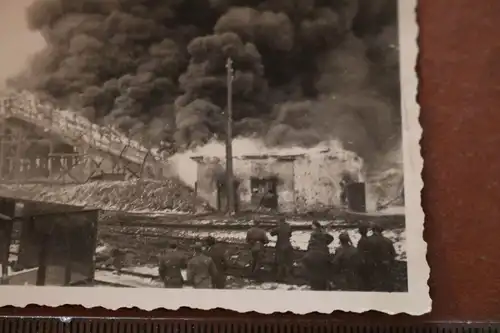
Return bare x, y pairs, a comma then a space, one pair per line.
77, 131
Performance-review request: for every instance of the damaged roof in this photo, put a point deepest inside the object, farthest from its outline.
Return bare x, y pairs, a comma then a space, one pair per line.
279, 157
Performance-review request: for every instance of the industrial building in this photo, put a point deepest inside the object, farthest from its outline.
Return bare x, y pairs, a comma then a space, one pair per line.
284, 183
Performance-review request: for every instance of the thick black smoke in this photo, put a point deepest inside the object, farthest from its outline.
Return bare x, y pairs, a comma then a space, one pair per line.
305, 70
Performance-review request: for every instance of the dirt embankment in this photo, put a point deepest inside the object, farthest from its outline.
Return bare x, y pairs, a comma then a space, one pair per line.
133, 195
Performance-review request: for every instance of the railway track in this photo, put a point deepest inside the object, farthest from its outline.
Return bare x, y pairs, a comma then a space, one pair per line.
216, 226
144, 246
213, 222
161, 237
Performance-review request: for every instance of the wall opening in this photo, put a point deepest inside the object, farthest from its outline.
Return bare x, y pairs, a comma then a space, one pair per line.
264, 192
356, 197
222, 204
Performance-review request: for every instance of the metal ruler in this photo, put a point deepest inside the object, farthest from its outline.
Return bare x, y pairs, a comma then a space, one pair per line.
207, 325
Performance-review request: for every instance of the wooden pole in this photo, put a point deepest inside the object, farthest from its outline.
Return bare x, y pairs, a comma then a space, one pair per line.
2, 153
41, 274
2, 150
51, 144
17, 158
229, 139
68, 259
6, 238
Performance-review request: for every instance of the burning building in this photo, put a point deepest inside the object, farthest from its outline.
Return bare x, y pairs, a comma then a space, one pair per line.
282, 183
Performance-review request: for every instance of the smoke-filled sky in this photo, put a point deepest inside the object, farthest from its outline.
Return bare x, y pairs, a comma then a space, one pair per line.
305, 70
16, 40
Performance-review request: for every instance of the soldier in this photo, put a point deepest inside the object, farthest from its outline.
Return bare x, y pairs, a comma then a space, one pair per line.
319, 238
344, 184
346, 264
170, 265
256, 239
217, 252
284, 250
383, 255
118, 260
366, 264
316, 268
201, 270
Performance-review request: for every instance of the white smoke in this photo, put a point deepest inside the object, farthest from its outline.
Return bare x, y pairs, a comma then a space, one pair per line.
186, 168
384, 181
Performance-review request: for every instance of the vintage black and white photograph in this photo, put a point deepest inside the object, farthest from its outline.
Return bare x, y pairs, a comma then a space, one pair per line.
254, 155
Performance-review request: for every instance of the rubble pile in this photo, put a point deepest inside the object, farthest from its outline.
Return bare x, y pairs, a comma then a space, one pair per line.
167, 196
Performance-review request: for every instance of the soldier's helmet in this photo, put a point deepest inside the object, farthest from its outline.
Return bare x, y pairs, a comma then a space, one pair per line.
210, 240
316, 224
376, 227
363, 227
198, 246
344, 238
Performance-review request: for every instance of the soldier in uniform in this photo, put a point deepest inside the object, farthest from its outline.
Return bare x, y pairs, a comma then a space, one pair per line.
366, 264
316, 268
170, 265
256, 239
217, 252
319, 238
383, 256
344, 184
284, 250
118, 260
346, 263
201, 270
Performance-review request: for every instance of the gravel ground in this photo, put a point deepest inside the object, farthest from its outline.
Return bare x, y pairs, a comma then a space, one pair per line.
231, 282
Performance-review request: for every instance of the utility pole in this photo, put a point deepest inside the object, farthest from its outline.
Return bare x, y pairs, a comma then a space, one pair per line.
229, 139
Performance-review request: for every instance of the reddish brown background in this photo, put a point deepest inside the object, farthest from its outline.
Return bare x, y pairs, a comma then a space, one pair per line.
459, 70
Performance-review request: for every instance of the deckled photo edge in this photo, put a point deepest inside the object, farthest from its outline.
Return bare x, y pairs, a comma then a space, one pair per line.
416, 301
418, 270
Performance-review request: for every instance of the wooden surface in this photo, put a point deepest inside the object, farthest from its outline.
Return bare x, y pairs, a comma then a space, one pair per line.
460, 98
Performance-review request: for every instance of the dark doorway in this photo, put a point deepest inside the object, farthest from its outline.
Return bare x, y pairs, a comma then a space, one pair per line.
356, 197
264, 192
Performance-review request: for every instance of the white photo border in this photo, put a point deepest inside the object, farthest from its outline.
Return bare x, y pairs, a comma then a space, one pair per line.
416, 301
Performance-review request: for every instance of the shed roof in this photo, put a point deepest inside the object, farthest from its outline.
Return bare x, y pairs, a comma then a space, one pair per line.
279, 157
253, 157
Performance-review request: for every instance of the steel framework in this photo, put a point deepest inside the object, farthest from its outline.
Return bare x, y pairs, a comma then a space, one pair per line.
31, 130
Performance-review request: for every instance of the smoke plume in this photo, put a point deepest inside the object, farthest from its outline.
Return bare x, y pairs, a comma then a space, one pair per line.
306, 71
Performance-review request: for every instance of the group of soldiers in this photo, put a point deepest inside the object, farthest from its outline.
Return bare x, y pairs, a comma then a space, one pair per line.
206, 269
367, 266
